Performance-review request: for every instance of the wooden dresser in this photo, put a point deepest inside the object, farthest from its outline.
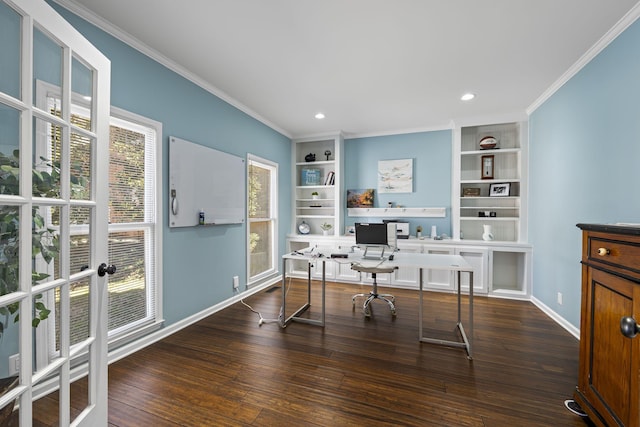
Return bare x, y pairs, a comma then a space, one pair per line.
609, 374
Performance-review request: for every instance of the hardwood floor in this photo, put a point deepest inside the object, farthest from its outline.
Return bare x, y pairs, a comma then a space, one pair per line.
226, 370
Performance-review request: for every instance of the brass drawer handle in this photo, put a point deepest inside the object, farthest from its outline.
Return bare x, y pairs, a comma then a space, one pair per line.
604, 251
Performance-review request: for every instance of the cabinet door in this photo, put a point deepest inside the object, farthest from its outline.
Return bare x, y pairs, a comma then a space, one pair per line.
316, 269
407, 277
609, 361
344, 272
438, 279
479, 260
297, 267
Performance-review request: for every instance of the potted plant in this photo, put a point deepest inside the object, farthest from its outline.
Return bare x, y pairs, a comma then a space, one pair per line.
315, 195
419, 232
326, 227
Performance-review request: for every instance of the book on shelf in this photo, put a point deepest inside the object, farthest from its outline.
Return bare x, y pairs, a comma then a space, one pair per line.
330, 179
310, 176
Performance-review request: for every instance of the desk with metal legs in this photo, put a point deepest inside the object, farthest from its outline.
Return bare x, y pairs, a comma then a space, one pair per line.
453, 263
284, 321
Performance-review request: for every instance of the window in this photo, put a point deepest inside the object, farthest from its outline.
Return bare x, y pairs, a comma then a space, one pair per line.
134, 223
134, 292
262, 193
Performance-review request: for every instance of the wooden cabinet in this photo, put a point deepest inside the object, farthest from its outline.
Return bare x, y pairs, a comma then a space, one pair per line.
609, 374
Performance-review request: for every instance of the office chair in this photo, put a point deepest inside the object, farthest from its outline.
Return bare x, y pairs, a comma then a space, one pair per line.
373, 295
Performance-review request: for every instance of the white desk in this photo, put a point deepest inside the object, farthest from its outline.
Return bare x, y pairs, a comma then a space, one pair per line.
453, 263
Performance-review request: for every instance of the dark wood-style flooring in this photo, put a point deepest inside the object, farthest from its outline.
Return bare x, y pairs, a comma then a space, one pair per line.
226, 370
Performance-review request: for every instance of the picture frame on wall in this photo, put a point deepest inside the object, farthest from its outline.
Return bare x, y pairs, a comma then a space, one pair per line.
486, 167
395, 176
500, 190
360, 198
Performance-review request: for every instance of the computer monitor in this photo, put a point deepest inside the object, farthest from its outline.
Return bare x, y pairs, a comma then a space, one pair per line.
375, 235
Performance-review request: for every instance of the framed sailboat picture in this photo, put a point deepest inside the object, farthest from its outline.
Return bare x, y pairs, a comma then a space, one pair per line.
395, 176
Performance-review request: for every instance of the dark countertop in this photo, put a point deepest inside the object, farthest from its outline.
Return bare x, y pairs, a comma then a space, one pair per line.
622, 228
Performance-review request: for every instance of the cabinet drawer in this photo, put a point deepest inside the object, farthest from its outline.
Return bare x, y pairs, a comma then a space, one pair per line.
616, 253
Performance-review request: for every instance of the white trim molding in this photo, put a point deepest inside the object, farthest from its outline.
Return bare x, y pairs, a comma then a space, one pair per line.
556, 317
598, 47
131, 41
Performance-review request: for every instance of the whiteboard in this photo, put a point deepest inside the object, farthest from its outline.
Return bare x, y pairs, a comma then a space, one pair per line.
202, 178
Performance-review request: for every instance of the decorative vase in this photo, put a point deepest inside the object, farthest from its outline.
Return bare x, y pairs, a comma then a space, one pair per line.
325, 232
314, 197
487, 234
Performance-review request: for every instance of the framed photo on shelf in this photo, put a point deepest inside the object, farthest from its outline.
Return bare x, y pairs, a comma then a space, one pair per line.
470, 192
499, 190
486, 167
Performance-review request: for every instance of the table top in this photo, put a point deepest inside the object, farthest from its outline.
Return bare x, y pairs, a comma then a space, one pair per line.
400, 259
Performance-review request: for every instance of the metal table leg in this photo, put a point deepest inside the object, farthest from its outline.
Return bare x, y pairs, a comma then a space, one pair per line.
284, 321
467, 342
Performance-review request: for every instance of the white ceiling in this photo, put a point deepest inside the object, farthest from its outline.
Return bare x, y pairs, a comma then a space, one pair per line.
372, 66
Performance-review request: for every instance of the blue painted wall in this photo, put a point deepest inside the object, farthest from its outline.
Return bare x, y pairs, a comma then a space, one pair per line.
431, 153
584, 157
198, 263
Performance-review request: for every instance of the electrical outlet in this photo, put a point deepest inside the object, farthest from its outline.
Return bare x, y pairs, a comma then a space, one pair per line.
14, 364
236, 282
560, 298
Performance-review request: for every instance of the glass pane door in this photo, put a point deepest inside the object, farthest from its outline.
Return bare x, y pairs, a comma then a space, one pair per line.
53, 171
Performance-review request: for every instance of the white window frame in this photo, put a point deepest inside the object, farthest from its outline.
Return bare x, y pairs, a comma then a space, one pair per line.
153, 222
273, 209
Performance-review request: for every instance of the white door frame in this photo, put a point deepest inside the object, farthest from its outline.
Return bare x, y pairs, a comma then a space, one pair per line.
38, 13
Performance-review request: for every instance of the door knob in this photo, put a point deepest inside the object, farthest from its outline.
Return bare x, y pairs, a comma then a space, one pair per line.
106, 269
629, 327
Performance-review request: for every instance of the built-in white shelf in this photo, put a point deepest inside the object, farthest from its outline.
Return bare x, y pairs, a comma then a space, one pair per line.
398, 212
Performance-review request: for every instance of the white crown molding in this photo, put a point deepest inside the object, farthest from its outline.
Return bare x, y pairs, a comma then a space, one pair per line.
444, 126
598, 47
492, 119
128, 39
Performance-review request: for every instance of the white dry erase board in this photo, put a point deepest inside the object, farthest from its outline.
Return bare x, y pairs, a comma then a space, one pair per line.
202, 178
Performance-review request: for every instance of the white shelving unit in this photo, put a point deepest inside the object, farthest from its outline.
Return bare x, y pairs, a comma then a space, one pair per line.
505, 214
398, 212
326, 207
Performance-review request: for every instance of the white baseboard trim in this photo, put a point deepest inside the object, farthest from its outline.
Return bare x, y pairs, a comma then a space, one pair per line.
556, 317
52, 384
147, 340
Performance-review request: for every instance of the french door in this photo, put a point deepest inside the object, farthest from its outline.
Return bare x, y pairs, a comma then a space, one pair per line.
42, 194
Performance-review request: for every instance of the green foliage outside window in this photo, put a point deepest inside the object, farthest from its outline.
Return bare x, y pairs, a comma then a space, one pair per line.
44, 241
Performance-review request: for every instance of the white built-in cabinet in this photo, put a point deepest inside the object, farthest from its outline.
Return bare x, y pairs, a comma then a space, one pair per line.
505, 207
502, 266
499, 269
324, 176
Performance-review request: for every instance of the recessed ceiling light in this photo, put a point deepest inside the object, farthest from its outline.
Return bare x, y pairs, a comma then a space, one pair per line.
467, 96
319, 116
